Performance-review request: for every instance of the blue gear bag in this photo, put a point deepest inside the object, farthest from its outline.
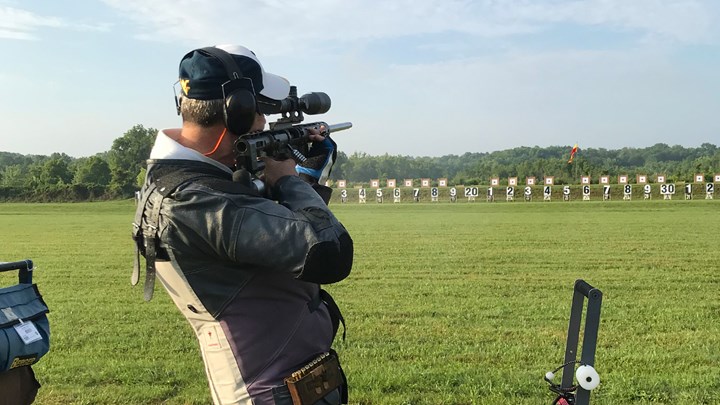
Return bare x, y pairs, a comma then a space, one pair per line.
22, 311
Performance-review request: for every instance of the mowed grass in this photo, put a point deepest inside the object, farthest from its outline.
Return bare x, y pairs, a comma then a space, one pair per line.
463, 303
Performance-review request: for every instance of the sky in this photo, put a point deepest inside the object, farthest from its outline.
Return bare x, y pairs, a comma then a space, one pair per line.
415, 77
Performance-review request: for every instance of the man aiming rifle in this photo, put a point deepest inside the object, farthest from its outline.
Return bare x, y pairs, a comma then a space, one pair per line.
244, 269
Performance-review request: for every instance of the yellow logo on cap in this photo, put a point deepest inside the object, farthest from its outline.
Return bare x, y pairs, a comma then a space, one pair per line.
185, 84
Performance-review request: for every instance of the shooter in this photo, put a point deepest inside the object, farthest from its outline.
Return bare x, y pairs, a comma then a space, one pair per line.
243, 269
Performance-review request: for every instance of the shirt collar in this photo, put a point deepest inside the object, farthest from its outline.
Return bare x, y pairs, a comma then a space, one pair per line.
167, 148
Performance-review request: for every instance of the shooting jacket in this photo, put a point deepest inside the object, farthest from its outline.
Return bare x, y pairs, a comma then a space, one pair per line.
245, 270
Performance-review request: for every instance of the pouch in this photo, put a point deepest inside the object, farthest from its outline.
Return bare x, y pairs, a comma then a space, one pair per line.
22, 310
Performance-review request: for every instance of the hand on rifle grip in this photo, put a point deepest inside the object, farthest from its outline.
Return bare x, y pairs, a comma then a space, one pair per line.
320, 158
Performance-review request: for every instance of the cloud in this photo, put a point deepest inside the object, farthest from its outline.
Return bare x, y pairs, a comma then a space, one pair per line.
20, 24
679, 20
14, 34
284, 26
23, 25
305, 24
469, 81
599, 98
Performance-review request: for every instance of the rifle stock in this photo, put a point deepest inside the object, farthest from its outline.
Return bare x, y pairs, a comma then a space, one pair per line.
291, 141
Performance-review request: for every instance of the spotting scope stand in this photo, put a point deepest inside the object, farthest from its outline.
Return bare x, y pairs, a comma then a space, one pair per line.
582, 290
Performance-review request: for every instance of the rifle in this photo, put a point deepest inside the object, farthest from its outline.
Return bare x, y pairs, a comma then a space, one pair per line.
287, 138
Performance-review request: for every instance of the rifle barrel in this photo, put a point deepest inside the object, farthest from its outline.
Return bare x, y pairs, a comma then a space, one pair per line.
339, 127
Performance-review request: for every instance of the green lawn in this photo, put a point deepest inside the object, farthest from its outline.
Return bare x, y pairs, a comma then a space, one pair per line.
462, 303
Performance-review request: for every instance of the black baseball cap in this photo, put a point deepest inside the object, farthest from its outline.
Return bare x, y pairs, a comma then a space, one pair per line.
202, 75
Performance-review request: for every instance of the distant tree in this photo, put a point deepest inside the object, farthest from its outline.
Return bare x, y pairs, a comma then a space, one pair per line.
93, 170
127, 156
120, 171
55, 171
140, 181
708, 149
338, 170
13, 176
363, 168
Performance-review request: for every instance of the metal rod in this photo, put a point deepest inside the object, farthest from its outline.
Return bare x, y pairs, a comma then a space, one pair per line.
339, 127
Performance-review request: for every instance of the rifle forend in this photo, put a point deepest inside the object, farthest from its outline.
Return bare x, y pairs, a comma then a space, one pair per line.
292, 141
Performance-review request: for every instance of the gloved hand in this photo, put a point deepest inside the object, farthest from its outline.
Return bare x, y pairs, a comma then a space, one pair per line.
320, 159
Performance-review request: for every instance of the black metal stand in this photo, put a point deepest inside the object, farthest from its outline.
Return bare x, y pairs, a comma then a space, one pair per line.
592, 323
25, 267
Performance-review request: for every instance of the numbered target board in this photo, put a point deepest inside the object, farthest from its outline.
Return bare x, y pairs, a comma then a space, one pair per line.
667, 190
663, 187
647, 192
627, 192
472, 193
586, 193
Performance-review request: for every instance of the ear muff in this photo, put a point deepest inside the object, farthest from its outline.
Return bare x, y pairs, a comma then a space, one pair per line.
240, 107
238, 92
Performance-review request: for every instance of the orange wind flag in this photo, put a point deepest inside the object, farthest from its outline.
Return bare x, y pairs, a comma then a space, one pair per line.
572, 153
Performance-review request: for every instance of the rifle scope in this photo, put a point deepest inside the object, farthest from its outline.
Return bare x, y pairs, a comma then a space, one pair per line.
311, 103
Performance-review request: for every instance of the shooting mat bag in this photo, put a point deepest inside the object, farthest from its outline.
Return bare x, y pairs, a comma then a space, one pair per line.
24, 327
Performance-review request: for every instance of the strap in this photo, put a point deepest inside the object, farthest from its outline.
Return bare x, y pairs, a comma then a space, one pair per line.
314, 303
335, 314
137, 233
231, 68
151, 233
168, 179
335, 317
344, 386
135, 276
168, 183
157, 192
171, 180
227, 186
324, 192
164, 186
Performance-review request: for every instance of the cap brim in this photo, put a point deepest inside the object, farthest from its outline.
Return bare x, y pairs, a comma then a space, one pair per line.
275, 87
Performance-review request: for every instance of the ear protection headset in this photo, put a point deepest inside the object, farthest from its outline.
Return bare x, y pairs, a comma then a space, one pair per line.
238, 93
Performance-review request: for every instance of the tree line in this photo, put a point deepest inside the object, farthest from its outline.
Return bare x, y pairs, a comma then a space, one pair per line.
677, 163
119, 172
59, 177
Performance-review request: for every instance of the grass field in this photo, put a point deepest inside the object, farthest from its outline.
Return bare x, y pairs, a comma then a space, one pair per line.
447, 303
